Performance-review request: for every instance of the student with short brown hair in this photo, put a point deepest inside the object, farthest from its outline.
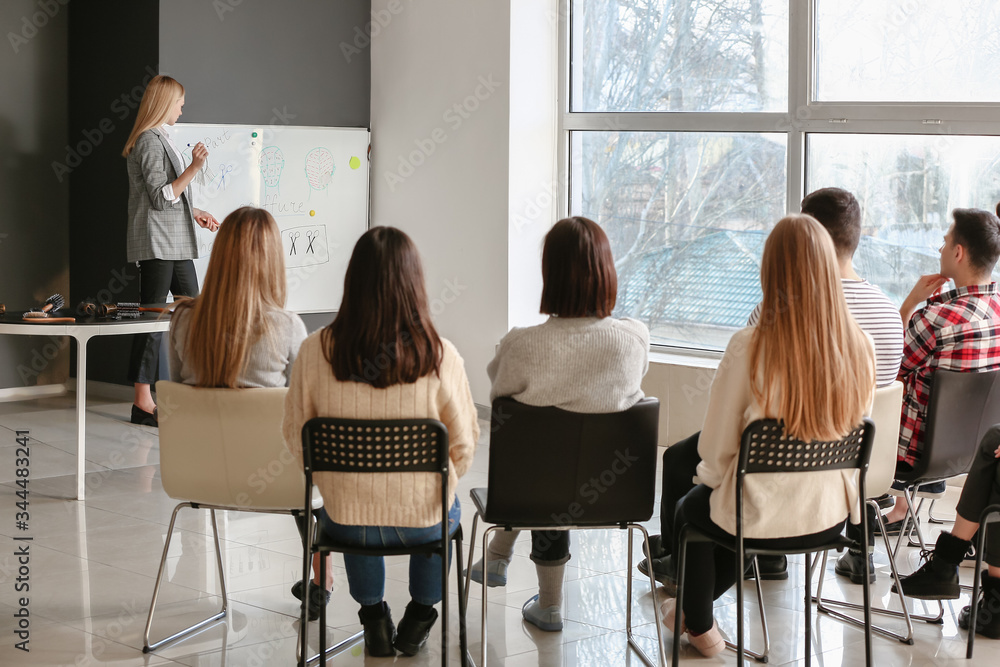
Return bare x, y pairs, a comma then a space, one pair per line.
582, 360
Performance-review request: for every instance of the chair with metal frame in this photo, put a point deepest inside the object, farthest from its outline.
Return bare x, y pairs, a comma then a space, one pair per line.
551, 469
379, 446
962, 407
989, 515
885, 415
764, 448
213, 442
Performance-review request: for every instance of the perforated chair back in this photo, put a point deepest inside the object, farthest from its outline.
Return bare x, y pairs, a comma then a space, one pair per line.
962, 407
765, 448
224, 447
358, 445
885, 415
549, 466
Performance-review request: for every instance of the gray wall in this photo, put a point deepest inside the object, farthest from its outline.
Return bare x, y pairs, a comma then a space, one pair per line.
33, 226
268, 62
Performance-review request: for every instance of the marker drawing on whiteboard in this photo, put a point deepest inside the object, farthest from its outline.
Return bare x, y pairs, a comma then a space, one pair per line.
319, 169
271, 162
316, 250
293, 237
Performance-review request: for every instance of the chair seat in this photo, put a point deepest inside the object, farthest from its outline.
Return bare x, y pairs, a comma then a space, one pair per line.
324, 543
758, 547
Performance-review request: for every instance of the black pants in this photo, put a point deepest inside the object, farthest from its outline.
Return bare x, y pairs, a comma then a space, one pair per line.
710, 570
550, 547
156, 278
680, 463
982, 488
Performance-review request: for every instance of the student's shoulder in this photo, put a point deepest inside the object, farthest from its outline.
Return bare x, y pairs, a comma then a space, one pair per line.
632, 327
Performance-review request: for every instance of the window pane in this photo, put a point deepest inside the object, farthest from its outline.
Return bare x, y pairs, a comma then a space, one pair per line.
907, 187
911, 51
679, 55
686, 214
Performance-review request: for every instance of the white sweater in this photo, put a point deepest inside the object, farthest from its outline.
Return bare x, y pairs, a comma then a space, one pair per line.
775, 504
580, 364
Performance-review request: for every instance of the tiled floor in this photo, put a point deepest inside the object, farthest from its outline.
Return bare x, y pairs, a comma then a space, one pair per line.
93, 565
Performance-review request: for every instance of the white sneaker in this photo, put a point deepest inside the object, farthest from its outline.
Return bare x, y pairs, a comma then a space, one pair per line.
548, 619
496, 572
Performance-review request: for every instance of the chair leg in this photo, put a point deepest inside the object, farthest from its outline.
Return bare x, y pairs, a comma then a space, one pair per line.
472, 548
916, 527
147, 647
977, 581
463, 596
808, 649
628, 602
486, 537
762, 656
930, 514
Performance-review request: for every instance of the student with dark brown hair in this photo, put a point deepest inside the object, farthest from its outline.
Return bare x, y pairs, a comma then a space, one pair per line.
381, 358
582, 360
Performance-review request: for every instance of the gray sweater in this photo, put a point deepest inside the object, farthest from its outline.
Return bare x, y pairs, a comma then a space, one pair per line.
270, 359
581, 364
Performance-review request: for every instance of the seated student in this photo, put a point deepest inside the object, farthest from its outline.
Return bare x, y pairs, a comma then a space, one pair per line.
581, 359
384, 316
839, 213
237, 333
760, 376
937, 579
957, 330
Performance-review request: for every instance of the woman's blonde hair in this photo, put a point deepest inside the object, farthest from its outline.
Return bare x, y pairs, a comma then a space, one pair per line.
818, 363
245, 279
160, 96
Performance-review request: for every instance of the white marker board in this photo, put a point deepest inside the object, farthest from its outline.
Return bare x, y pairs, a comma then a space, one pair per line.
313, 180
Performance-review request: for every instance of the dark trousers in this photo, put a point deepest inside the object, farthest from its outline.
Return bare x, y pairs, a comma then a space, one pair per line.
982, 488
156, 278
550, 547
710, 570
680, 464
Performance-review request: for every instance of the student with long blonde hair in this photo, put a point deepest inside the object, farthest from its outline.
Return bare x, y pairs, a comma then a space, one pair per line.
237, 334
806, 363
161, 223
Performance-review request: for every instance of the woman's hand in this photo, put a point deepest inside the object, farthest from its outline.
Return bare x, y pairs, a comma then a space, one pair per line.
206, 220
198, 155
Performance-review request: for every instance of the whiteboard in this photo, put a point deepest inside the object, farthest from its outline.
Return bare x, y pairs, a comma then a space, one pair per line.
313, 180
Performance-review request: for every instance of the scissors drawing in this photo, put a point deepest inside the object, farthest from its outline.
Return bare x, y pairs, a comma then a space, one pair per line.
293, 236
311, 237
224, 171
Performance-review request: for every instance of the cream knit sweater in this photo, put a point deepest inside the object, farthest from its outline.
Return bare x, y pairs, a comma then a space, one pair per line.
383, 499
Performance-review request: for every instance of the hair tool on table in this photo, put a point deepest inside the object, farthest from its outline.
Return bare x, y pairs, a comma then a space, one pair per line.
44, 314
125, 310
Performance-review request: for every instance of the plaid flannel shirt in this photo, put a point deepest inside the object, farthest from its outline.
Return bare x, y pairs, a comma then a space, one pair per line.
958, 330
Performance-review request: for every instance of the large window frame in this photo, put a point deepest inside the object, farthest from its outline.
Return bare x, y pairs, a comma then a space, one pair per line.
803, 116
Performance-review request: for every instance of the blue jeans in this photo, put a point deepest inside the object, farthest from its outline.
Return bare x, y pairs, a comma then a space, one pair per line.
366, 574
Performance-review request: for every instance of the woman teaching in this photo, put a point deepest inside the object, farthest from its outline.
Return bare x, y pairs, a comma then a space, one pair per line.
161, 223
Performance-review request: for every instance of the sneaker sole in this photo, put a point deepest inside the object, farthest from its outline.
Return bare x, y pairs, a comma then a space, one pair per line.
492, 580
931, 596
542, 625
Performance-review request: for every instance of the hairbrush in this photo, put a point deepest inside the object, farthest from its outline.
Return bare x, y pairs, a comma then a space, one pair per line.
53, 303
126, 310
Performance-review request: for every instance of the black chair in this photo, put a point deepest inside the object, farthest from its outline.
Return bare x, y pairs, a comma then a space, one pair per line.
962, 407
989, 515
766, 449
380, 446
543, 465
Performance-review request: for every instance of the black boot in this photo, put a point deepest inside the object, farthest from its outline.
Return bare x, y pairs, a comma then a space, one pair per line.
988, 614
380, 633
415, 627
937, 579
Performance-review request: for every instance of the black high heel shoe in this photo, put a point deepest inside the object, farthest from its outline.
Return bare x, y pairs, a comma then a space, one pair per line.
143, 418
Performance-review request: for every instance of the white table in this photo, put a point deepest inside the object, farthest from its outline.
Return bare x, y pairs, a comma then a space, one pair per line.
82, 332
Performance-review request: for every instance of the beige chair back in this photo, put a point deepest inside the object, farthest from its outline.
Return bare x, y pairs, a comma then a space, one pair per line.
885, 414
224, 447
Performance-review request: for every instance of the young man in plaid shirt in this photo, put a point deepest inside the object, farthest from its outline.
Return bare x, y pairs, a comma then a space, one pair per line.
957, 330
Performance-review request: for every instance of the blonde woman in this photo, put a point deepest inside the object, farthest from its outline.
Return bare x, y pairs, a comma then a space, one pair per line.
807, 363
161, 223
237, 333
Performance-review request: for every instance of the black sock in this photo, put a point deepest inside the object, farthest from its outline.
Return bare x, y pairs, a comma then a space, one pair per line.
421, 612
373, 611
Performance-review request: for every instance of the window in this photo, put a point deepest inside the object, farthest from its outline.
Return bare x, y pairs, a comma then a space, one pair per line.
689, 127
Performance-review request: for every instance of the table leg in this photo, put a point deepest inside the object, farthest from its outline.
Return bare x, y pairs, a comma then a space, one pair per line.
81, 414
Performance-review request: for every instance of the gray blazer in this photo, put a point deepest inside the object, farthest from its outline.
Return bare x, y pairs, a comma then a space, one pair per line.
157, 228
